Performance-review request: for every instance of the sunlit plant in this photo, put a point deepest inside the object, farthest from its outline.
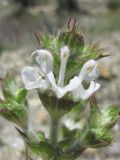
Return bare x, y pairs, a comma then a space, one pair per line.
66, 83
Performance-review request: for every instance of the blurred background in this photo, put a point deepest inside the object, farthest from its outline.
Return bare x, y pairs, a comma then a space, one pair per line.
99, 20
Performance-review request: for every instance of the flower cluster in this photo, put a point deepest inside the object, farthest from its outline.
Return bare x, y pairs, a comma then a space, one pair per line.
44, 79
66, 78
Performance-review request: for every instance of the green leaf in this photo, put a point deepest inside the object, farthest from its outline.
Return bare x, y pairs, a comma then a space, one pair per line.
9, 88
42, 149
38, 145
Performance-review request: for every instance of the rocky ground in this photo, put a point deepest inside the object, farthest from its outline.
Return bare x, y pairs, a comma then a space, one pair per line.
17, 41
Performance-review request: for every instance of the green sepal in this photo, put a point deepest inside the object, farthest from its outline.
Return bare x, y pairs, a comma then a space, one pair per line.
57, 107
93, 51
71, 36
50, 42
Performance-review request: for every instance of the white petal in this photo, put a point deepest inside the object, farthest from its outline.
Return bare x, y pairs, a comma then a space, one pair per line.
65, 51
41, 63
1, 95
62, 72
45, 59
73, 84
93, 75
89, 71
64, 58
71, 124
32, 79
61, 91
81, 93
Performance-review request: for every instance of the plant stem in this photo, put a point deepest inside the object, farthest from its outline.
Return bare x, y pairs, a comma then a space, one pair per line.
26, 154
54, 130
27, 157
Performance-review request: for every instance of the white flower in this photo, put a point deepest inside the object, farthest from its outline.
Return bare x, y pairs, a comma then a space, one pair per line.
89, 71
44, 79
34, 79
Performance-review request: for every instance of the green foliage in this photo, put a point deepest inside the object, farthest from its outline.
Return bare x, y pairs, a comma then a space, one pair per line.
42, 149
38, 145
13, 107
98, 132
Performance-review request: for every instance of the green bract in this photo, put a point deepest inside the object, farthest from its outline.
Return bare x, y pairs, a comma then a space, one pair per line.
98, 132
13, 106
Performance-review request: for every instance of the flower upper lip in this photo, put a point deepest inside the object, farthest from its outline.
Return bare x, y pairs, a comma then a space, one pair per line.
45, 59
32, 79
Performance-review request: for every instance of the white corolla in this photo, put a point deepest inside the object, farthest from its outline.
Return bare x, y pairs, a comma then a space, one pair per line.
44, 78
